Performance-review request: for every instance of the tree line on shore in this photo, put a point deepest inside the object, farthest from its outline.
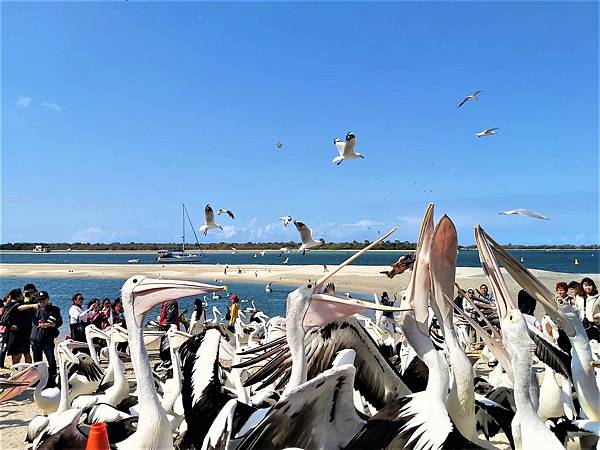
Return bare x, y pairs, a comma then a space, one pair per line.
354, 245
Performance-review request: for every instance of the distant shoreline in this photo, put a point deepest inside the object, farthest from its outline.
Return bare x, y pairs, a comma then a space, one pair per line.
191, 250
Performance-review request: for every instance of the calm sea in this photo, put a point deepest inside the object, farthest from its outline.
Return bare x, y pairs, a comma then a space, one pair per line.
555, 260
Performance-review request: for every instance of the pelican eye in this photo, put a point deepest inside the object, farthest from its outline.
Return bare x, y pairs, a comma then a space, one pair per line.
510, 317
135, 280
309, 286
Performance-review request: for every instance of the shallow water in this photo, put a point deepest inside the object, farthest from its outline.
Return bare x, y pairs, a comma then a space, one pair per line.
555, 260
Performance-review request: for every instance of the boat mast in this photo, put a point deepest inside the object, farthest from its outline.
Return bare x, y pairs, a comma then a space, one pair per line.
183, 227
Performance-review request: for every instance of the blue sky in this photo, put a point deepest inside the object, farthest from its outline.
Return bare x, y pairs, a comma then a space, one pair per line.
115, 113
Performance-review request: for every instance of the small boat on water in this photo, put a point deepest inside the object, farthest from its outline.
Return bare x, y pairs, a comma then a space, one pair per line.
134, 261
179, 256
41, 249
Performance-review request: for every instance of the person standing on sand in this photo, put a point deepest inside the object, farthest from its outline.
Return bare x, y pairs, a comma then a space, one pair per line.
4, 332
46, 323
388, 316
234, 311
78, 317
18, 343
591, 320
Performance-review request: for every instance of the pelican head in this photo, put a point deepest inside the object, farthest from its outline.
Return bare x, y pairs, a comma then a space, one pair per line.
140, 294
515, 331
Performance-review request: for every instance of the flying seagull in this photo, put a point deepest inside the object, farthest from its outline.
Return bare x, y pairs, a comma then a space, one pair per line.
487, 132
279, 146
524, 212
225, 211
346, 149
306, 237
209, 220
473, 96
286, 220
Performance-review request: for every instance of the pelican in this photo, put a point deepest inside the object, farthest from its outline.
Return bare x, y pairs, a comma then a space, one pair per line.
528, 430
286, 260
209, 221
486, 132
473, 96
524, 212
139, 295
46, 399
346, 149
286, 220
268, 287
233, 251
225, 211
306, 237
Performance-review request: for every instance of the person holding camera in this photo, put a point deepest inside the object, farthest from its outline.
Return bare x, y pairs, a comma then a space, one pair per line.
46, 323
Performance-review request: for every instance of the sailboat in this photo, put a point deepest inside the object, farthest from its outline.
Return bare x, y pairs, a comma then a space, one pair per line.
179, 256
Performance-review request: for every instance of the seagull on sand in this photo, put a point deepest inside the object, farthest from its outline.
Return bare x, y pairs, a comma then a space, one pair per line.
225, 211
286, 220
473, 96
209, 220
487, 132
306, 237
524, 212
346, 149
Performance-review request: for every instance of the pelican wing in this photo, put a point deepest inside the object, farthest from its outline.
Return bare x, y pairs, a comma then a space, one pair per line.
87, 368
209, 215
202, 393
317, 414
550, 353
376, 377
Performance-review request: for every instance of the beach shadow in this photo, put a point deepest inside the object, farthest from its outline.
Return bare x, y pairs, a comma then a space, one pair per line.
13, 423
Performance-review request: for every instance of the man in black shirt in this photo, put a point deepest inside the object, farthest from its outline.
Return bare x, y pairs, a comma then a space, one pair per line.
46, 323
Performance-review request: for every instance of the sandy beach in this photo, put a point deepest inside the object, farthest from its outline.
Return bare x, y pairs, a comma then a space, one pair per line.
359, 279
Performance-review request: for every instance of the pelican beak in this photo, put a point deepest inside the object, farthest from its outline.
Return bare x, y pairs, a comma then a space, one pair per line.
119, 334
419, 285
326, 308
65, 350
442, 267
150, 292
177, 338
95, 332
28, 375
490, 253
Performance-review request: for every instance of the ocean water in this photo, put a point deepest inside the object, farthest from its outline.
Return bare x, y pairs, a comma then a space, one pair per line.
62, 289
554, 260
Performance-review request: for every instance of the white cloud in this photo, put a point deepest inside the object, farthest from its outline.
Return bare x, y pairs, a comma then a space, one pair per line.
52, 105
363, 223
229, 231
24, 102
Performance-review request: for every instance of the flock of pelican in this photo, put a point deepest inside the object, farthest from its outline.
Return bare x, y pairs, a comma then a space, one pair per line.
326, 376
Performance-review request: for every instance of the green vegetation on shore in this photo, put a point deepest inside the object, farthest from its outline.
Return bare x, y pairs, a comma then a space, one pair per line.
354, 245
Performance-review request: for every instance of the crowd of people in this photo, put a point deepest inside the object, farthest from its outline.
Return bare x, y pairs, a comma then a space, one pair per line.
29, 323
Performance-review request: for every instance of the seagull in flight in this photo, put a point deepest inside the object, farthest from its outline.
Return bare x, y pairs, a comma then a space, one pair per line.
524, 212
209, 220
286, 220
473, 96
487, 132
225, 211
279, 146
283, 250
306, 237
346, 149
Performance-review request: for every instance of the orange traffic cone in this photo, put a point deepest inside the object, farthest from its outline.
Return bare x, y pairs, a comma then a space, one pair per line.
98, 437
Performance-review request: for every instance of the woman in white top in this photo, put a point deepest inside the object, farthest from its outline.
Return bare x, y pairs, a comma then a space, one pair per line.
592, 308
78, 315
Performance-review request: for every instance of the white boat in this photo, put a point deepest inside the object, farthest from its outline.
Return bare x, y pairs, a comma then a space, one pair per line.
179, 256
134, 261
41, 249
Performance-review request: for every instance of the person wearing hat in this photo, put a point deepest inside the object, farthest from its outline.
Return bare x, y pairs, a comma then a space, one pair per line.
234, 311
45, 328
